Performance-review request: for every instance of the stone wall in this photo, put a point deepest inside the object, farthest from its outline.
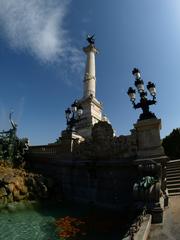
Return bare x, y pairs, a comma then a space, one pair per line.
102, 183
101, 170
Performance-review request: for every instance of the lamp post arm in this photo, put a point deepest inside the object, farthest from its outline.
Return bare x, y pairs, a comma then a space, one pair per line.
151, 102
154, 98
135, 106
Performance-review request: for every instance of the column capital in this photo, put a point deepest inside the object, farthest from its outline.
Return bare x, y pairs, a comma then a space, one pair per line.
90, 48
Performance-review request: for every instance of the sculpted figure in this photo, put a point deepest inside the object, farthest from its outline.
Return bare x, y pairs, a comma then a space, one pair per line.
90, 39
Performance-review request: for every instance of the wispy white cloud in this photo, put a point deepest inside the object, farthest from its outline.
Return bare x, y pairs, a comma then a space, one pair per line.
37, 27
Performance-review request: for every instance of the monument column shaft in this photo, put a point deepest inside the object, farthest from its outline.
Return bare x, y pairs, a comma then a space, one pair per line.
90, 72
90, 65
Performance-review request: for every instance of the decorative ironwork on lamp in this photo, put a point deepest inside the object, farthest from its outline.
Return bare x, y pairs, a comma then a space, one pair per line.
73, 115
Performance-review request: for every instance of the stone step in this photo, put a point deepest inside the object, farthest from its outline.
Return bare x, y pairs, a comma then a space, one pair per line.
174, 190
175, 180
174, 194
172, 171
173, 177
170, 174
173, 185
173, 167
173, 164
173, 161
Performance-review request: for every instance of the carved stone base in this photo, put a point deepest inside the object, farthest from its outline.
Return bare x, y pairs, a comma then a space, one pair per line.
68, 138
92, 113
148, 138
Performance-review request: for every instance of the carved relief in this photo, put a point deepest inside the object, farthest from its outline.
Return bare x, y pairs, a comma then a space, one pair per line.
104, 146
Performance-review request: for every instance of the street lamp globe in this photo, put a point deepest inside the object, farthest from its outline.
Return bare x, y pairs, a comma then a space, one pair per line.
74, 106
132, 94
136, 73
79, 111
139, 85
152, 89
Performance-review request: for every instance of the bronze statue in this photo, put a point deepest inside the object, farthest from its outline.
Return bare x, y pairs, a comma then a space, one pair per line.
13, 148
14, 125
91, 39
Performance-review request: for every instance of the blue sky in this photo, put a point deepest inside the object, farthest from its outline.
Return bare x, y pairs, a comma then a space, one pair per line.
42, 62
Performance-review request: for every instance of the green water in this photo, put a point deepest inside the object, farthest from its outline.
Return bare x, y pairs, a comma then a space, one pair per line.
38, 223
29, 224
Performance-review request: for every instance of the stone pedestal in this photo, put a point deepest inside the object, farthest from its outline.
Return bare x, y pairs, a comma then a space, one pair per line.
148, 138
92, 113
68, 138
149, 148
157, 214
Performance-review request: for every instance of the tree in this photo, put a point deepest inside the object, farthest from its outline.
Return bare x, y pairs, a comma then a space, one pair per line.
171, 144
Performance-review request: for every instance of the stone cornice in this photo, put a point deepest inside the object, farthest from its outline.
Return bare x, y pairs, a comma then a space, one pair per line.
91, 100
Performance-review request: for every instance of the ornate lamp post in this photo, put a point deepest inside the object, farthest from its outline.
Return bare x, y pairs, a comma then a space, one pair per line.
73, 115
144, 102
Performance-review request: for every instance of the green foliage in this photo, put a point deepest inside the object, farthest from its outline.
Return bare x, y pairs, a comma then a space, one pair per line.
171, 144
12, 149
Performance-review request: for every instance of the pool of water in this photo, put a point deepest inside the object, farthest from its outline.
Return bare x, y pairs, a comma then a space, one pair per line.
26, 224
38, 223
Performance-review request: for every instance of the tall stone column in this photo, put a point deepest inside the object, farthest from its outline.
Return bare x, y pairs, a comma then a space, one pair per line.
90, 71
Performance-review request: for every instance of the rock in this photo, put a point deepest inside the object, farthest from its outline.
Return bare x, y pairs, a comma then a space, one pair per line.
19, 182
10, 198
11, 207
3, 192
16, 194
3, 201
9, 179
17, 185
50, 183
24, 190
30, 181
11, 187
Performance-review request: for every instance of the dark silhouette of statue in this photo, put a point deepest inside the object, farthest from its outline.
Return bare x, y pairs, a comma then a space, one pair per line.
91, 39
13, 130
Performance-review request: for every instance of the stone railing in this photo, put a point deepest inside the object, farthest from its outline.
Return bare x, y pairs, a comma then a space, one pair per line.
44, 149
